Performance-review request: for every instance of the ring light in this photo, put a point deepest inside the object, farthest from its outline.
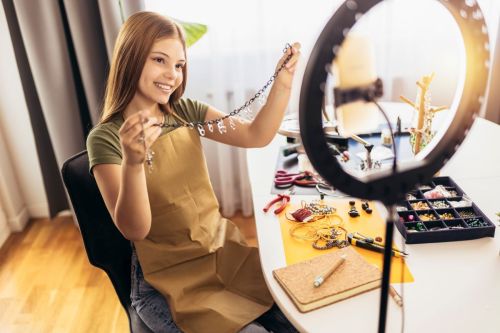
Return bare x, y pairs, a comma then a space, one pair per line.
389, 187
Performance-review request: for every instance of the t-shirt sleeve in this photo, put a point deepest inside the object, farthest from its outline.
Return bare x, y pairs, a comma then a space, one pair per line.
192, 110
103, 146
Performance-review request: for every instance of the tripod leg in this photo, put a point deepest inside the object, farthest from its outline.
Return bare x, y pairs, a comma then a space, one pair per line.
386, 272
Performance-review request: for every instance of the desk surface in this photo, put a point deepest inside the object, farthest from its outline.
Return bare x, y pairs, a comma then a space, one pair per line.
457, 284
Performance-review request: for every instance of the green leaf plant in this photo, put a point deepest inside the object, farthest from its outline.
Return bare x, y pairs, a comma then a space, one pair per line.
192, 31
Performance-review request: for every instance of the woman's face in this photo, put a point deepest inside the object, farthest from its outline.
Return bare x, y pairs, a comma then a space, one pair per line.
162, 72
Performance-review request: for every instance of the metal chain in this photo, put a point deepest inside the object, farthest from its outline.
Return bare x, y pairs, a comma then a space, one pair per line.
244, 106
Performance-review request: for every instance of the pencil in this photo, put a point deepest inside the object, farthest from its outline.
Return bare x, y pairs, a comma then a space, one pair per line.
318, 281
395, 296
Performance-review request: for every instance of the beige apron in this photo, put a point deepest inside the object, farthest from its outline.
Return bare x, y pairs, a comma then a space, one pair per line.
193, 256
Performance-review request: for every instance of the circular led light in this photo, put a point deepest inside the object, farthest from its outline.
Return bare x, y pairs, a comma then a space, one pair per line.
389, 187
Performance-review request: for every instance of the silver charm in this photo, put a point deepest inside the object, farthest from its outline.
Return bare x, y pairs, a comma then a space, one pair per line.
262, 99
241, 119
221, 127
149, 159
210, 127
201, 130
232, 124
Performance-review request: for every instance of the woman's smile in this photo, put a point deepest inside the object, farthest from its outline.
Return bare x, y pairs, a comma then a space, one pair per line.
164, 87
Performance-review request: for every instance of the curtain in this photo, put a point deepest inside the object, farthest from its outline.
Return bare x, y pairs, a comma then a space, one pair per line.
61, 52
44, 149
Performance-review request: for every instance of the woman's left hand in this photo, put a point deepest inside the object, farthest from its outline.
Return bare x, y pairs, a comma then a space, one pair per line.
285, 77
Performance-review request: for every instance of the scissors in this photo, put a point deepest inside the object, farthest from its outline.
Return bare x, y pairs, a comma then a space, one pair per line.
283, 197
284, 179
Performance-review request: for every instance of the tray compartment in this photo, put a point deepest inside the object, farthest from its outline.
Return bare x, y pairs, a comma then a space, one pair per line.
440, 220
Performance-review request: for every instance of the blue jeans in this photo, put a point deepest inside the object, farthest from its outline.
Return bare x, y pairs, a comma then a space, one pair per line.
154, 311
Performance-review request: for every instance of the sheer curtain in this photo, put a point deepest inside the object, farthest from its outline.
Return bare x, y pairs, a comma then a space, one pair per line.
231, 62
239, 53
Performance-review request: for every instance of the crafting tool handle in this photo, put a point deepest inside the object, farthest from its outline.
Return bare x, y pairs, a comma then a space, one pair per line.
318, 281
371, 246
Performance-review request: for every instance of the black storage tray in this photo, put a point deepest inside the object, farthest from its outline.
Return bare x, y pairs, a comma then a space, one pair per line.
446, 223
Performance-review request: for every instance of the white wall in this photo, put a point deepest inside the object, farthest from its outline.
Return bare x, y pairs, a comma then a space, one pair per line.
19, 166
10, 195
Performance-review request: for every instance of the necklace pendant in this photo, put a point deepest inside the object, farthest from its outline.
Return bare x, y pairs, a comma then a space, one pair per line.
149, 159
210, 127
232, 124
221, 127
247, 113
201, 130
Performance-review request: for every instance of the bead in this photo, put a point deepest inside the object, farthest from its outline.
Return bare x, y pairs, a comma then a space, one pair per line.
475, 222
466, 214
378, 239
447, 216
427, 217
420, 205
439, 204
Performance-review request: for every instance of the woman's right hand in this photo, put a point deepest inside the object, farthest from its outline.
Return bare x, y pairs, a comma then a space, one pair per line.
137, 134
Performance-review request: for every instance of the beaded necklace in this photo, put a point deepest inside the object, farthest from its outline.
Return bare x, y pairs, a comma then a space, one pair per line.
219, 122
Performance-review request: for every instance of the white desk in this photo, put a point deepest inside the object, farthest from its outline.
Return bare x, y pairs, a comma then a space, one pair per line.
457, 284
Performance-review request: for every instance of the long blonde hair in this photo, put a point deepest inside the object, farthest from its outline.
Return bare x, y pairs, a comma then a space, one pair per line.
133, 44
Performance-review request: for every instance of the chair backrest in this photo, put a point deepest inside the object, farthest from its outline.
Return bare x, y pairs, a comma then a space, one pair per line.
105, 246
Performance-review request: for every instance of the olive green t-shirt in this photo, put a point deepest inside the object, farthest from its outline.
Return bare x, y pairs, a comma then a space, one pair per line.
103, 142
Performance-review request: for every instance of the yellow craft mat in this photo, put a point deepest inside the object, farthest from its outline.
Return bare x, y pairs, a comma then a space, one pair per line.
370, 225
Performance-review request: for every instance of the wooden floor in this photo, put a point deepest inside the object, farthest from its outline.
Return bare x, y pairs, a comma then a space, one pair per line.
48, 285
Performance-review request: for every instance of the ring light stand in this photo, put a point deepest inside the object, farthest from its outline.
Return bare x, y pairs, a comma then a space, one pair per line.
390, 187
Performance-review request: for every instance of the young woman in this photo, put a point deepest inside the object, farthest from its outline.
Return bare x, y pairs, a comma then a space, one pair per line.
192, 270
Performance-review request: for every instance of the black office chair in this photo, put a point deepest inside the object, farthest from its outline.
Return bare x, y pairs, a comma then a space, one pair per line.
106, 248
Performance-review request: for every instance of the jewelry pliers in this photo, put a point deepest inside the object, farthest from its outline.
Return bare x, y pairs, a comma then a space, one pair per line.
284, 198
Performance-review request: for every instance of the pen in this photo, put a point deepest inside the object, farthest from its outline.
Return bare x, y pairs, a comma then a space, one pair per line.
318, 281
395, 296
